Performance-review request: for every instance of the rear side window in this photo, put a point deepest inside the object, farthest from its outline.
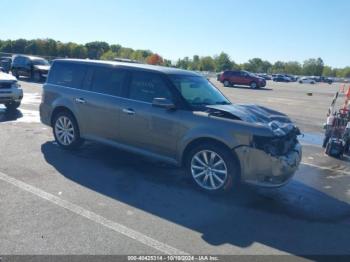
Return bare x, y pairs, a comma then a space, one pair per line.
231, 73
67, 74
108, 80
146, 86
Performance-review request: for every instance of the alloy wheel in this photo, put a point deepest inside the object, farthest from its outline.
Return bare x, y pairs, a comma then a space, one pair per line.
64, 131
209, 170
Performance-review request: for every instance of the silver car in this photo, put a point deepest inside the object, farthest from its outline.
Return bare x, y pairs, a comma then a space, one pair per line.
172, 115
11, 93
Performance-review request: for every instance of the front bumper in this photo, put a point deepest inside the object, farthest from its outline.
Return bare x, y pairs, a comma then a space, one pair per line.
10, 95
260, 168
45, 114
262, 83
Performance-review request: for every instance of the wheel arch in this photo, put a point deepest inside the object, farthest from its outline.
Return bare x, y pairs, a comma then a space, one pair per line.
58, 110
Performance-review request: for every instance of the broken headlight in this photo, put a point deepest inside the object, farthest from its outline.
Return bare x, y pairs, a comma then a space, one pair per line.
277, 146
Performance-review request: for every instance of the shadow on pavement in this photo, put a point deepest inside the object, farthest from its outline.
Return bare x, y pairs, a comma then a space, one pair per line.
9, 115
296, 219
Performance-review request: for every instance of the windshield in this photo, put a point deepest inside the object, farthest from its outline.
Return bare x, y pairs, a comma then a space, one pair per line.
198, 91
250, 73
40, 62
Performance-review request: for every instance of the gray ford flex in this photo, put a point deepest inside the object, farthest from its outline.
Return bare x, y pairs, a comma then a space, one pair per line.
172, 115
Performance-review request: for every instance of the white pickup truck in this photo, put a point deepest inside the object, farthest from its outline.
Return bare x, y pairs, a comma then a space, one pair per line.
11, 93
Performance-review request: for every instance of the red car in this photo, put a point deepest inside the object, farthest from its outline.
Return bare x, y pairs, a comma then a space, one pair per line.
245, 78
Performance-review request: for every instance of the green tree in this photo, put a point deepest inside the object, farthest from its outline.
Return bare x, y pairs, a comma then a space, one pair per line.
139, 55
278, 67
223, 62
313, 67
7, 46
207, 63
79, 51
167, 63
344, 72
109, 55
328, 71
183, 63
115, 48
96, 49
126, 52
293, 68
19, 46
257, 65
195, 63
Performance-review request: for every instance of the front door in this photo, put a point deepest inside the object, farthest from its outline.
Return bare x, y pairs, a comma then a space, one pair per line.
144, 126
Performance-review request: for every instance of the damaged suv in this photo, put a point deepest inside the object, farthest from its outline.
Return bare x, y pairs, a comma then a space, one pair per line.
172, 115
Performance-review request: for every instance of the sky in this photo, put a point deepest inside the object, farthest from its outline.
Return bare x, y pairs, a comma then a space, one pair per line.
270, 29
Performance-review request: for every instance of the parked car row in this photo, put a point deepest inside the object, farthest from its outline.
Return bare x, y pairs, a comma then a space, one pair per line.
281, 78
36, 68
30, 66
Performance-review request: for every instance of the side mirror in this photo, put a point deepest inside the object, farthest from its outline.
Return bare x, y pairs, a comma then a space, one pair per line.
163, 103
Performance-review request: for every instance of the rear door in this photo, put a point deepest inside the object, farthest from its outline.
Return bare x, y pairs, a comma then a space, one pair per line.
101, 105
244, 78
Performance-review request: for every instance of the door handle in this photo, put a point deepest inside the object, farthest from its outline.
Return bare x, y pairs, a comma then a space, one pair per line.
80, 100
128, 111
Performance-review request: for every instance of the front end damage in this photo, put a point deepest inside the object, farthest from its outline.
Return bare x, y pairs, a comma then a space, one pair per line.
258, 167
272, 158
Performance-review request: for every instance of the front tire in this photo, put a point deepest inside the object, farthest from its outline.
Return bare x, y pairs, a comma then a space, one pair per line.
213, 168
66, 131
36, 76
253, 85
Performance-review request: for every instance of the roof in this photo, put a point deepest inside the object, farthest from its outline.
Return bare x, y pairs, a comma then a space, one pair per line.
31, 57
162, 69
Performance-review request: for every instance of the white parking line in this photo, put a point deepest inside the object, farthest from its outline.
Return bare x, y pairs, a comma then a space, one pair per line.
342, 172
148, 241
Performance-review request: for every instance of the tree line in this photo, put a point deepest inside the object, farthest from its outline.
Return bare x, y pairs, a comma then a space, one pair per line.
217, 63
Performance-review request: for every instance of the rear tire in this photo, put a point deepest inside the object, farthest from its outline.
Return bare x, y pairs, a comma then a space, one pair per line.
66, 131
212, 168
15, 74
12, 106
227, 83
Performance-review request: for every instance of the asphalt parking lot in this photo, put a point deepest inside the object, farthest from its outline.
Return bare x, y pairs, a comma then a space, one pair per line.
100, 200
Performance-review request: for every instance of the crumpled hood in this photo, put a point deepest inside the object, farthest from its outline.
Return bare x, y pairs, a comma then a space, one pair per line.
42, 67
276, 121
7, 77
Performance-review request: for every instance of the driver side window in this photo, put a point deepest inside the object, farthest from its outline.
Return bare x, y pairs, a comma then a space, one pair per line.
146, 86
